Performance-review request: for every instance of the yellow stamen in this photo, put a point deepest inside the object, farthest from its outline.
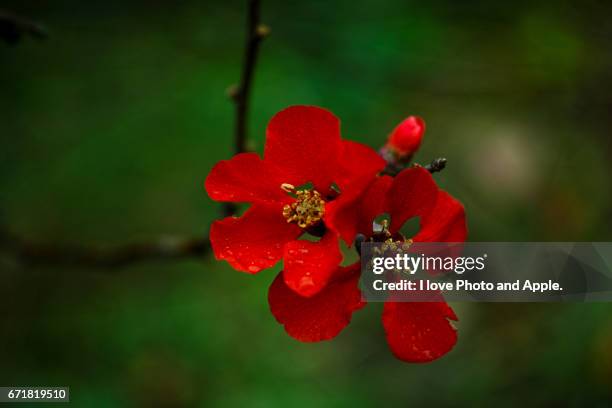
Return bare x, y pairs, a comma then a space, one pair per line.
307, 210
287, 188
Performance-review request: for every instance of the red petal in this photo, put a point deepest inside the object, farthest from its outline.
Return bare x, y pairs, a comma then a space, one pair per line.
358, 164
374, 203
342, 216
419, 332
412, 194
244, 178
254, 241
445, 222
309, 265
322, 316
349, 215
304, 141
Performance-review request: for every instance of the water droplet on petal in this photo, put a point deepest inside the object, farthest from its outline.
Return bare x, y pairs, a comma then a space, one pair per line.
306, 283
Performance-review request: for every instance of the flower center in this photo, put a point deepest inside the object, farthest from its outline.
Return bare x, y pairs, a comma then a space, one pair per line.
308, 208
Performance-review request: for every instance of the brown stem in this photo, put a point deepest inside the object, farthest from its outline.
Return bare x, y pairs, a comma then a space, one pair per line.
168, 248
14, 27
240, 93
254, 34
436, 165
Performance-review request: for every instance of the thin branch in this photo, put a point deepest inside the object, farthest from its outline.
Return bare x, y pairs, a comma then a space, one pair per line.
27, 253
13, 28
240, 93
436, 165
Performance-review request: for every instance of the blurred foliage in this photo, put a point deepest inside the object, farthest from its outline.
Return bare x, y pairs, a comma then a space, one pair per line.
110, 126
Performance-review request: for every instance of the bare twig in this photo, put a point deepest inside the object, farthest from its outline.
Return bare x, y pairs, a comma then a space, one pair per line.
13, 27
240, 93
436, 165
167, 248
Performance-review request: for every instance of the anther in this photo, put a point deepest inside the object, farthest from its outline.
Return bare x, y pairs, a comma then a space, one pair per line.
287, 188
307, 210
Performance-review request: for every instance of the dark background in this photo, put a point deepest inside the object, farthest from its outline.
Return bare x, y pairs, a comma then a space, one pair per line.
109, 127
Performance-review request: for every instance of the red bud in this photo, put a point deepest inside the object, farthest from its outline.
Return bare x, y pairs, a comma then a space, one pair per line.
407, 136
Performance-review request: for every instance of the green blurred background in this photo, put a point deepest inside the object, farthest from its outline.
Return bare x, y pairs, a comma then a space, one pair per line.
109, 127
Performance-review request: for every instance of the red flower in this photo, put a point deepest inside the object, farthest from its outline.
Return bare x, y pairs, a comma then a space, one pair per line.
416, 332
406, 137
303, 145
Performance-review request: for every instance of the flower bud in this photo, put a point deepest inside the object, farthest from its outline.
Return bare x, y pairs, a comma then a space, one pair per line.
406, 138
